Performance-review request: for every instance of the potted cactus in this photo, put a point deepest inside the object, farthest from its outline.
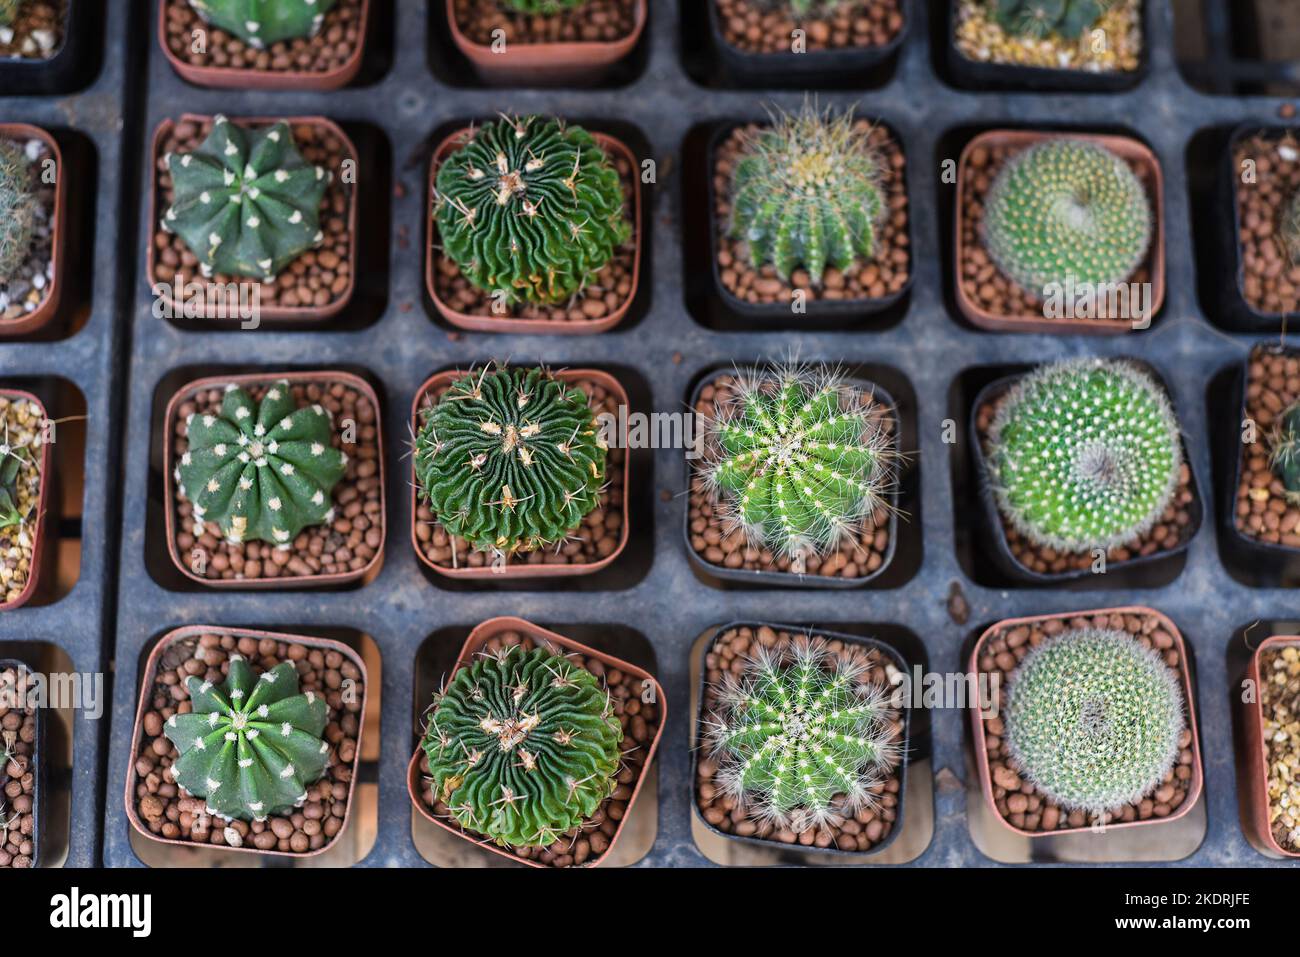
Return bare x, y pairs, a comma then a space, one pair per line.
25, 473
33, 195
1269, 789
48, 46
22, 769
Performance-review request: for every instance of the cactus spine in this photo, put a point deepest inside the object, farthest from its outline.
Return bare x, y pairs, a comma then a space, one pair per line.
19, 208
1284, 456
1042, 18
260, 23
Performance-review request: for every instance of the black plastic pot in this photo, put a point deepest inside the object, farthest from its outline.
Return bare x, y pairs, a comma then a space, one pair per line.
38, 765
72, 66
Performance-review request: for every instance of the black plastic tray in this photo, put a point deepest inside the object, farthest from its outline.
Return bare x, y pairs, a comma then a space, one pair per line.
72, 66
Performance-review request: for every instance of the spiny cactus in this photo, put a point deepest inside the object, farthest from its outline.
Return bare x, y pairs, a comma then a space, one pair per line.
1041, 18
530, 209
252, 745
18, 210
263, 471
546, 8
1284, 456
1290, 229
246, 203
1093, 719
1084, 454
510, 459
1066, 210
806, 193
259, 23
523, 746
11, 462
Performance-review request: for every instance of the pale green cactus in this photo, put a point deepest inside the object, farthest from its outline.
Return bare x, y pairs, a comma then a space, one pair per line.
19, 208
260, 23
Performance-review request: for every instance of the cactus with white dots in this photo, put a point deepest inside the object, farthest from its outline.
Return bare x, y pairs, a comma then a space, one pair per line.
19, 208
260, 23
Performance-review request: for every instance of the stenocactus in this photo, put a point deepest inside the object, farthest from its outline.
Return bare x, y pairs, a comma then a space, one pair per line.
1065, 211
530, 209
18, 210
1284, 456
510, 459
251, 746
1093, 719
259, 23
523, 746
261, 472
245, 201
1041, 18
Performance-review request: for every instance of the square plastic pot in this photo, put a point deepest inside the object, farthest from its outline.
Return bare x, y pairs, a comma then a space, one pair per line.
71, 66
39, 760
1259, 829
42, 315
40, 526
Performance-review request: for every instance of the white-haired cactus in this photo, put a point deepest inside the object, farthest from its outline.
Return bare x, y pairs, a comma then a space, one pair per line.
259, 23
18, 210
1041, 18
252, 745
245, 201
263, 471
1284, 455
1093, 719
1084, 454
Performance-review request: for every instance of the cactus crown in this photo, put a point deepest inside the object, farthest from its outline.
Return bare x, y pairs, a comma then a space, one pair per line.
523, 746
245, 201
530, 209
547, 8
1066, 210
1284, 455
259, 23
1042, 18
19, 208
261, 471
510, 459
1093, 719
252, 745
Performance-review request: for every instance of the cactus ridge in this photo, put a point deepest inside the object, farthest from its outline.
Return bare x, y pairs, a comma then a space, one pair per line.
260, 23
1038, 19
19, 209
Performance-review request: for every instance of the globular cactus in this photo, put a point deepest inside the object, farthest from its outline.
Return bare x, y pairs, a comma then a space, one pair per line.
803, 9
1093, 719
263, 471
546, 8
245, 201
259, 23
1290, 229
510, 459
523, 746
1284, 456
252, 745
1084, 454
1066, 210
530, 209
1037, 19
19, 208
806, 192
11, 462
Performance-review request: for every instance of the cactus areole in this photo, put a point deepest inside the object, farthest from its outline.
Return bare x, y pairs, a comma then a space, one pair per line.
259, 23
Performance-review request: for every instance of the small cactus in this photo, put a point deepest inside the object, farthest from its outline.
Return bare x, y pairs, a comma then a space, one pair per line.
245, 201
804, 9
1290, 229
19, 209
1037, 19
11, 462
545, 8
1093, 719
260, 23
1284, 456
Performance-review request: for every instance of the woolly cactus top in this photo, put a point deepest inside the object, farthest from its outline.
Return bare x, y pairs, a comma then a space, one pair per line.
1043, 18
259, 23
19, 209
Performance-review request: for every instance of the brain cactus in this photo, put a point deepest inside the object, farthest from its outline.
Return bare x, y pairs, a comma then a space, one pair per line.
1285, 454
1093, 719
510, 459
259, 23
1037, 19
261, 471
19, 209
546, 8
530, 209
806, 193
1084, 454
523, 746
1066, 211
252, 745
246, 203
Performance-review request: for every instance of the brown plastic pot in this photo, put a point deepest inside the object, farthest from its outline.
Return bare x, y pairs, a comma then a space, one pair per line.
42, 501
151, 672
481, 323
1149, 172
977, 721
187, 391
1259, 829
267, 313
517, 571
476, 640
41, 316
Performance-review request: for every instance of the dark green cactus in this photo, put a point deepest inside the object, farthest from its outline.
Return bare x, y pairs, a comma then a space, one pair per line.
1042, 18
1285, 454
259, 23
246, 203
11, 462
546, 8
19, 208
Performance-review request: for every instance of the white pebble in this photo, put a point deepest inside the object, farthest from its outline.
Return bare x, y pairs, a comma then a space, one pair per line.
45, 38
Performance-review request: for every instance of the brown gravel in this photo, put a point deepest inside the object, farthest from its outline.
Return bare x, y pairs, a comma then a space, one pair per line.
169, 814
754, 28
640, 721
1019, 802
1270, 281
597, 21
25, 292
981, 39
1263, 512
37, 31
17, 773
859, 833
329, 50
1279, 673
350, 544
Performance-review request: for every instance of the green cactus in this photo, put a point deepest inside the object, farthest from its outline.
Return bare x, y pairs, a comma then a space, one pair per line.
260, 23
1290, 229
263, 471
510, 459
19, 209
523, 746
530, 209
1093, 719
805, 9
546, 8
252, 745
1084, 454
1284, 456
1037, 19
246, 203
11, 462
1066, 210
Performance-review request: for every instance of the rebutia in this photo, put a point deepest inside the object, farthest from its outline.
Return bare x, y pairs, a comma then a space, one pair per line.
259, 23
1093, 719
523, 746
245, 201
1285, 453
1042, 18
19, 209
530, 209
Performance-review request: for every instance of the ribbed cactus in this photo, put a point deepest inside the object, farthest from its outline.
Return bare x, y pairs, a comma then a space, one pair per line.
252, 745
806, 193
1066, 210
1290, 229
259, 23
11, 462
1041, 18
530, 209
1093, 719
18, 210
510, 459
1285, 453
523, 746
263, 471
546, 8
1084, 454
245, 201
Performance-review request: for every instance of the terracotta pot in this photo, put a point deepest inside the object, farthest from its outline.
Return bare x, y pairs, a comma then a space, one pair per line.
1149, 171
476, 640
244, 79
187, 391
1255, 786
267, 313
483, 323
41, 316
517, 571
142, 706
977, 721
42, 505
